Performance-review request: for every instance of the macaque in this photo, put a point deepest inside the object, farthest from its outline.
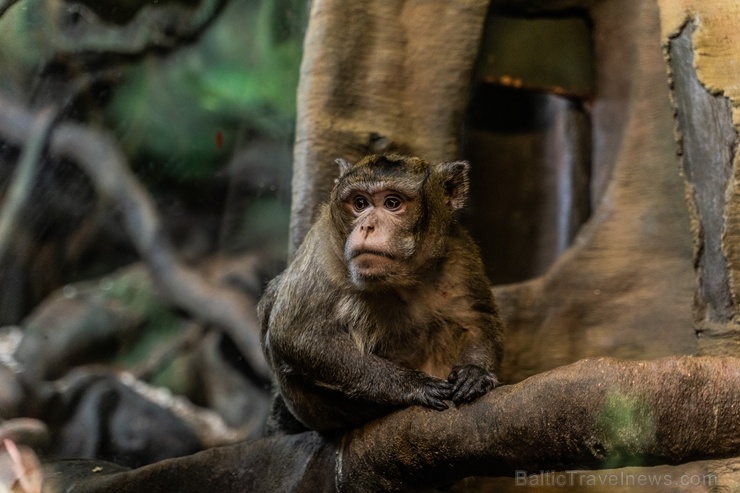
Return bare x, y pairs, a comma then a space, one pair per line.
386, 304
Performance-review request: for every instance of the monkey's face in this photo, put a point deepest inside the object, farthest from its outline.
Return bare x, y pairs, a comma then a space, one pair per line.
392, 216
381, 239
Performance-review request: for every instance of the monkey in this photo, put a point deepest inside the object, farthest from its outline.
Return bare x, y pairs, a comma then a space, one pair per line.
385, 304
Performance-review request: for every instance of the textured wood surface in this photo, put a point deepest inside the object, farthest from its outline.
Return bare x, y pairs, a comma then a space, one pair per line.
702, 45
626, 287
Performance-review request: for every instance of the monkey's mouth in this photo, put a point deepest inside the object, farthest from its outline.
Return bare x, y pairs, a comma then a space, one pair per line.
366, 251
367, 265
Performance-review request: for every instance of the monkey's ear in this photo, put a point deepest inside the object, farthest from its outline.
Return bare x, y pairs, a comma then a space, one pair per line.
344, 165
456, 183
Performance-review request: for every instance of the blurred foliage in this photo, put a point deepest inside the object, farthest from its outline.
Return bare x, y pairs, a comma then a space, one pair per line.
161, 326
200, 96
188, 109
185, 108
22, 48
132, 290
258, 226
206, 121
181, 115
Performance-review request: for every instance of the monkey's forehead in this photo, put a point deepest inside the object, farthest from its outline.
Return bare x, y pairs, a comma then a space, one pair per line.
375, 173
410, 186
408, 164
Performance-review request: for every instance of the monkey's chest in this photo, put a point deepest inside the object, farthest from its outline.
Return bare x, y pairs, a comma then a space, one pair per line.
418, 335
432, 345
408, 345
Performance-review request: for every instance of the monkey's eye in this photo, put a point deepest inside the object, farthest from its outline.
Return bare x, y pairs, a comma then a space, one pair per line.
392, 203
360, 203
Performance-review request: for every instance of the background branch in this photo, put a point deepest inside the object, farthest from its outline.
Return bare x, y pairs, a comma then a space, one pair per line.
99, 156
160, 26
5, 5
23, 179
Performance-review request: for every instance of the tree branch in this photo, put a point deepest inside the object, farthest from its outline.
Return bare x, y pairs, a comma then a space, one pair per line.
99, 156
597, 413
5, 5
160, 26
24, 177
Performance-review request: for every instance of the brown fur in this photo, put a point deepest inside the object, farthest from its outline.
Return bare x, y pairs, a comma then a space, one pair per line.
351, 337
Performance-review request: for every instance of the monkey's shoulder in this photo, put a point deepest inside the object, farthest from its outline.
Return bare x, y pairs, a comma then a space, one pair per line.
264, 307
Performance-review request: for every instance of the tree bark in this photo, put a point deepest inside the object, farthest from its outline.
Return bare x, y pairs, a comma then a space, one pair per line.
702, 48
627, 282
593, 414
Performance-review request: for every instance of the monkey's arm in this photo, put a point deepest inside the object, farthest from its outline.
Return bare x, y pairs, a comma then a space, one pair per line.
264, 307
328, 359
328, 384
475, 374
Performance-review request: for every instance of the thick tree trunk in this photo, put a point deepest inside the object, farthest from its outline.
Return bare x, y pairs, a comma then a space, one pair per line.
626, 286
702, 47
379, 76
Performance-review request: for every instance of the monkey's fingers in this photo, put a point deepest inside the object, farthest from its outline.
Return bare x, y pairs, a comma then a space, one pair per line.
468, 390
470, 382
434, 392
472, 389
436, 404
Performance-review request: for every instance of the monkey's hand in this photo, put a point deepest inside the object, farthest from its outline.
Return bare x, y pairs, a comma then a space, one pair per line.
470, 382
431, 391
